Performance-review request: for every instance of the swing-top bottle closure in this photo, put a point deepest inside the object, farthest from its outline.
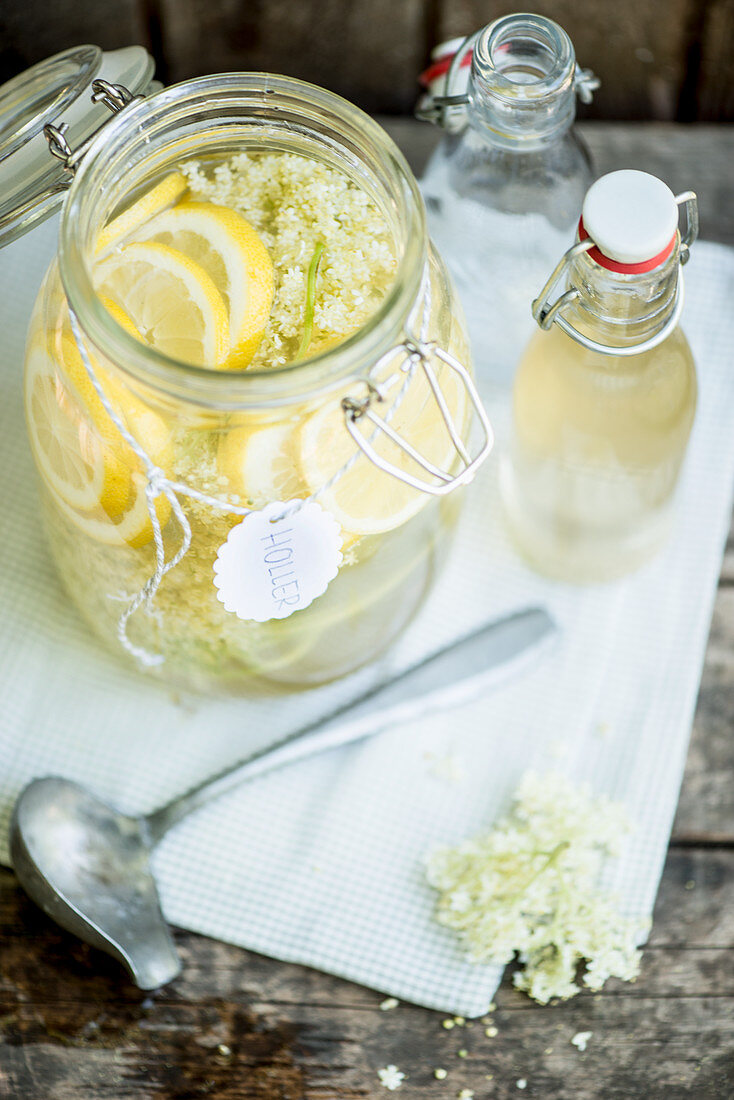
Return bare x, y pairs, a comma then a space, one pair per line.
468, 72
629, 226
416, 350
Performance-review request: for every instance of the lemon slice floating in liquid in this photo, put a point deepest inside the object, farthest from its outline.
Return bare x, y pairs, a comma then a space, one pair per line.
260, 464
132, 528
81, 468
146, 426
112, 508
171, 300
227, 247
163, 194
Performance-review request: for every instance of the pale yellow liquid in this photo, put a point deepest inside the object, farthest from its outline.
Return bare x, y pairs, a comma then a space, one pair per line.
597, 448
385, 573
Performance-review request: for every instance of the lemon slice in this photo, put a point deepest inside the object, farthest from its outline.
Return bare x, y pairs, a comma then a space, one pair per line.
228, 248
365, 500
78, 465
165, 193
260, 464
171, 300
131, 528
74, 455
145, 425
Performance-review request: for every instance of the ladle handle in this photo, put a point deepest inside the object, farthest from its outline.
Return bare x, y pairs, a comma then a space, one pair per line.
453, 675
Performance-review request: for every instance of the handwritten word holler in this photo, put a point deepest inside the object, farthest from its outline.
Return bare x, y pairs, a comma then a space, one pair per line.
279, 562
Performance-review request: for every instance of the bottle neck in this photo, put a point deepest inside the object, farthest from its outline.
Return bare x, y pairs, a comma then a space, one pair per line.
521, 88
620, 309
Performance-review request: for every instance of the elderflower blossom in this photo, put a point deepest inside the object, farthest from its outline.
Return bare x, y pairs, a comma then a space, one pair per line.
529, 888
391, 1078
581, 1039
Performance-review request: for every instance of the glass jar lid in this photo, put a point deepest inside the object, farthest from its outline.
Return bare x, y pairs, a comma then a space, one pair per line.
55, 91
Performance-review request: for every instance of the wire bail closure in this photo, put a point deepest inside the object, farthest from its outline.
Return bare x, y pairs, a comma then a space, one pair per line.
418, 356
547, 313
447, 111
441, 109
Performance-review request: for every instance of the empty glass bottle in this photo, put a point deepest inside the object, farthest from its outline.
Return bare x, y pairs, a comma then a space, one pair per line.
504, 188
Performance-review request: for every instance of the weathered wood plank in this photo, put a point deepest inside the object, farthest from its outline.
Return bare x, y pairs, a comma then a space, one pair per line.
370, 53
71, 1026
727, 570
706, 806
665, 1049
656, 60
34, 29
694, 914
638, 50
715, 85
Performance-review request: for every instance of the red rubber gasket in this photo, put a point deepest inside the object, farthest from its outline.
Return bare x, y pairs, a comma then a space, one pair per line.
626, 269
440, 68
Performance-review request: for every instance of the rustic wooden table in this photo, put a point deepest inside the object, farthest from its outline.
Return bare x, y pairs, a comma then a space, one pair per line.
237, 1026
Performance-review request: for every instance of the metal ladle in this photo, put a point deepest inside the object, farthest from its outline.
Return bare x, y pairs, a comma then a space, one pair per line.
87, 865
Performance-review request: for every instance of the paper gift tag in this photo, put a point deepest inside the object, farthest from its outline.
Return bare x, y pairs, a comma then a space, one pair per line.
278, 560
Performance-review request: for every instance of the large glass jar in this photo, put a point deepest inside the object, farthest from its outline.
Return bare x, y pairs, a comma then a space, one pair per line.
154, 598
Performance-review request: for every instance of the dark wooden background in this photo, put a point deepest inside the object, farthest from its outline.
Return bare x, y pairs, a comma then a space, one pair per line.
669, 60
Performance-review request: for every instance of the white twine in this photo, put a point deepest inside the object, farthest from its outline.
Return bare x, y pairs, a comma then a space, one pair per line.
158, 484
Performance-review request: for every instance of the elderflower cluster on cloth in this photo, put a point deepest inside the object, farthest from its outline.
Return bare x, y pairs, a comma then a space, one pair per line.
529, 888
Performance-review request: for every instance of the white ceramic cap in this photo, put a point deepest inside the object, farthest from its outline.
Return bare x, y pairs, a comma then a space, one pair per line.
631, 216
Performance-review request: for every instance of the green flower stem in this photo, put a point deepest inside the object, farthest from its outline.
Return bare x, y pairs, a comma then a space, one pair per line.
552, 858
310, 300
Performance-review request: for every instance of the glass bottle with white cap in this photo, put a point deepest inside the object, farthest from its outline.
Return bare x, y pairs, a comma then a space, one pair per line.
504, 187
605, 394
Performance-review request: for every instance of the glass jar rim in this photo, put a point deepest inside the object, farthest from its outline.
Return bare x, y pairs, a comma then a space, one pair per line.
260, 92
